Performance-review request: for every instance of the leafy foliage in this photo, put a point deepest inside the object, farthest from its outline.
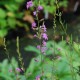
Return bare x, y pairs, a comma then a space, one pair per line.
50, 6
61, 69
61, 63
10, 16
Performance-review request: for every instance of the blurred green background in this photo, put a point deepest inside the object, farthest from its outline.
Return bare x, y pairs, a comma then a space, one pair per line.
15, 20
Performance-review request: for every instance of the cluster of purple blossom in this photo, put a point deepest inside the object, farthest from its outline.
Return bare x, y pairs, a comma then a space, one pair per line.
17, 69
30, 4
37, 77
44, 38
41, 30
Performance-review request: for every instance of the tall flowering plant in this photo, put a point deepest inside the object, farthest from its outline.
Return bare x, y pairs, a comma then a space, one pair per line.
41, 31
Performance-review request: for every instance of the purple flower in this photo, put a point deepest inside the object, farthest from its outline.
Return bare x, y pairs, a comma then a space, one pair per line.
44, 35
44, 43
35, 35
38, 46
43, 49
43, 27
40, 7
33, 25
18, 69
37, 77
29, 4
34, 13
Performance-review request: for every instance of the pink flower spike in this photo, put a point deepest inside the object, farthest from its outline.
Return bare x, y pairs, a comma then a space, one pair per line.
38, 46
40, 7
29, 4
34, 13
44, 27
44, 43
35, 35
18, 69
43, 49
33, 25
37, 77
44, 35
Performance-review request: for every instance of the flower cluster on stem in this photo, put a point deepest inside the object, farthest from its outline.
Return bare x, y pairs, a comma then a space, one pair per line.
41, 30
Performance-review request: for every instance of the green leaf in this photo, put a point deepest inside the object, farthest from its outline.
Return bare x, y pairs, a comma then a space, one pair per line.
63, 3
5, 77
76, 47
3, 23
12, 7
5, 67
14, 63
50, 9
11, 22
19, 1
3, 32
23, 77
34, 65
32, 48
2, 13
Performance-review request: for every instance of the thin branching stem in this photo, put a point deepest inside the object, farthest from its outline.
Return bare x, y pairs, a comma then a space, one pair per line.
6, 50
19, 55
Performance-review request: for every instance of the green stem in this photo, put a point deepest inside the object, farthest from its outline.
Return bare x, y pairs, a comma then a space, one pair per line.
6, 51
19, 55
